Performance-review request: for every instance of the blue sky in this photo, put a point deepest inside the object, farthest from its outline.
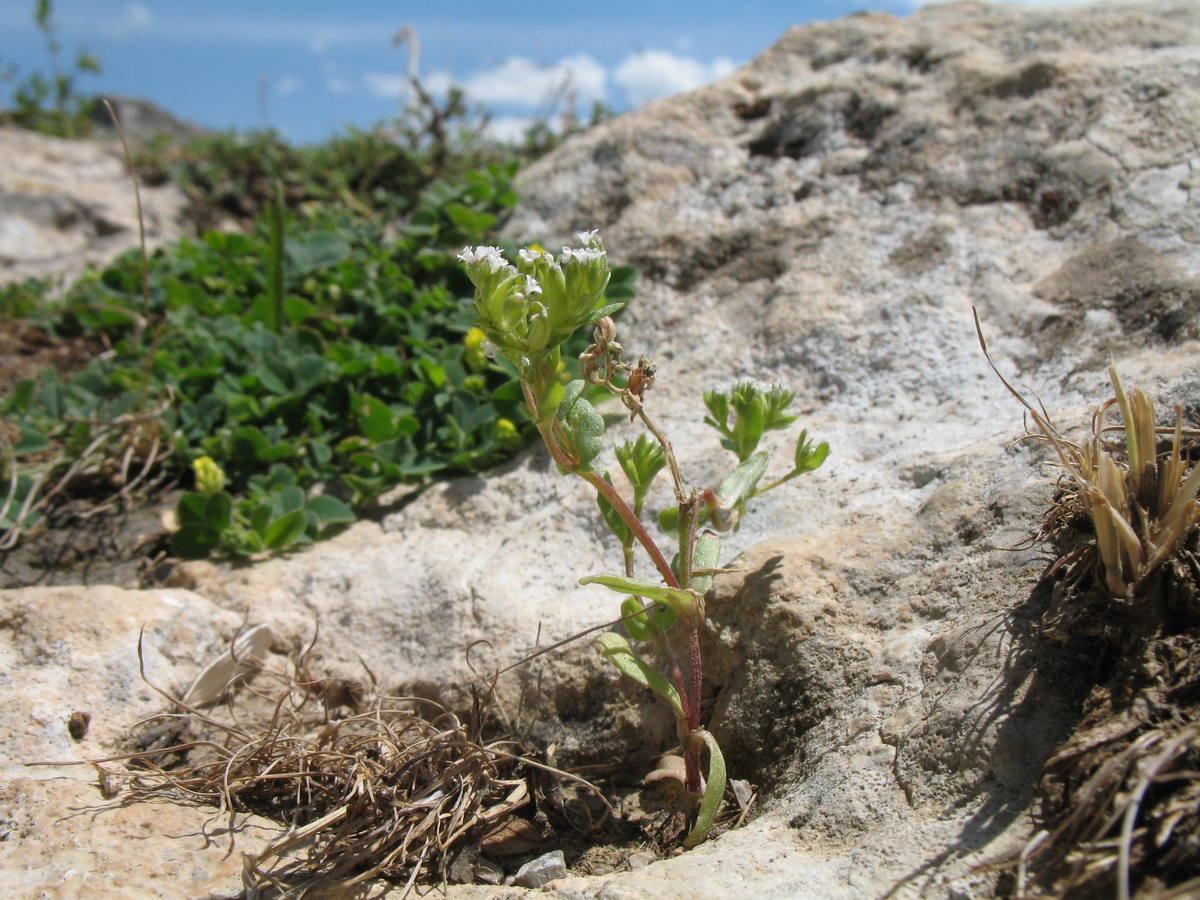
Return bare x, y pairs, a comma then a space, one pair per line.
310, 67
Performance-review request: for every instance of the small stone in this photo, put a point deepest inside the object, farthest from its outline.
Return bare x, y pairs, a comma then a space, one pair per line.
541, 871
640, 860
488, 872
464, 867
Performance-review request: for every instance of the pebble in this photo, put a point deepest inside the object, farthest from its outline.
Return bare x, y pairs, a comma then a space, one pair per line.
541, 871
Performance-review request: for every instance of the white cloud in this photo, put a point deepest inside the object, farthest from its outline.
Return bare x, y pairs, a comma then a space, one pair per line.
386, 84
337, 85
522, 83
137, 16
656, 73
517, 82
288, 85
510, 129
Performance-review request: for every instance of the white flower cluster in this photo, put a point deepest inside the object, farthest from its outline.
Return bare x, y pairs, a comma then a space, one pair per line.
530, 256
583, 257
490, 255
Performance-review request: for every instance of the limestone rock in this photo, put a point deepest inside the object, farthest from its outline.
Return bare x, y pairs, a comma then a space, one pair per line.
828, 216
67, 205
68, 650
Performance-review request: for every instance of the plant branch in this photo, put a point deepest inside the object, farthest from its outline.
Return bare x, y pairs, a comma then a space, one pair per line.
635, 525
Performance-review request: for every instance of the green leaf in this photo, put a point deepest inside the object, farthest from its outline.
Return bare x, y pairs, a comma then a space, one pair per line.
635, 620
677, 599
195, 542
645, 623
742, 480
20, 397
288, 500
756, 410
714, 792
298, 310
218, 510
190, 510
330, 510
809, 457
618, 651
583, 426
718, 408
315, 250
376, 419
706, 555
270, 380
641, 461
249, 445
551, 400
30, 441
612, 518
285, 530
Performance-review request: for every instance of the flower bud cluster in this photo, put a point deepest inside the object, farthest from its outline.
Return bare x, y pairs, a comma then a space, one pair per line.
527, 310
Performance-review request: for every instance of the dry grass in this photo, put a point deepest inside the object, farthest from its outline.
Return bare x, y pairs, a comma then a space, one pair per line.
1121, 798
397, 789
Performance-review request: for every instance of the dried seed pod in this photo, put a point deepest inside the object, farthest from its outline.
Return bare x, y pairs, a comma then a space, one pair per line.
78, 723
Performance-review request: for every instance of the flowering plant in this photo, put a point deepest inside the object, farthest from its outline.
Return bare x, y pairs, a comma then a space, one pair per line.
526, 311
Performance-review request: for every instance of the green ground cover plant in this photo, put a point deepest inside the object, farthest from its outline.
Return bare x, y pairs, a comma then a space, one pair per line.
528, 310
306, 367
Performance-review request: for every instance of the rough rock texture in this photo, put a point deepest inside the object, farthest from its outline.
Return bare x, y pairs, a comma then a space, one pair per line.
69, 650
827, 216
67, 205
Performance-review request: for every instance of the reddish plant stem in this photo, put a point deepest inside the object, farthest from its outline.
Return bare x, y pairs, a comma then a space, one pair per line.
635, 525
691, 756
690, 690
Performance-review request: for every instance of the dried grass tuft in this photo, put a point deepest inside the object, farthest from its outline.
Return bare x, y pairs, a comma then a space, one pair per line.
1121, 798
397, 789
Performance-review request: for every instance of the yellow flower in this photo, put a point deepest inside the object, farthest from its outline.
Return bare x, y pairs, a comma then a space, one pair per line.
210, 478
507, 435
475, 357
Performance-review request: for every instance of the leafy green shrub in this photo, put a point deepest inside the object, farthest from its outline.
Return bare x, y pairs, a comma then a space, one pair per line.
235, 176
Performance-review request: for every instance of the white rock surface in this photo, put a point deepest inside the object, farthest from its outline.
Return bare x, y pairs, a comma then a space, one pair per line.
67, 650
827, 216
67, 205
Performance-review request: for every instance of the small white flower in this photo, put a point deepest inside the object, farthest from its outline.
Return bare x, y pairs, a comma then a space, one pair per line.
529, 257
489, 349
586, 237
490, 255
583, 257
532, 288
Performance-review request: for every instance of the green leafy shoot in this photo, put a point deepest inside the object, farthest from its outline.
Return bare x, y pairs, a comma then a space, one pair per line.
743, 414
641, 460
526, 310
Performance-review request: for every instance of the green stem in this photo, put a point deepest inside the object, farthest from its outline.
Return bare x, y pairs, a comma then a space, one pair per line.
275, 216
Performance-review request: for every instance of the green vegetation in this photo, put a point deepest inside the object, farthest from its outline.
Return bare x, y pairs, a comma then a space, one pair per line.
51, 103
313, 362
294, 368
528, 309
